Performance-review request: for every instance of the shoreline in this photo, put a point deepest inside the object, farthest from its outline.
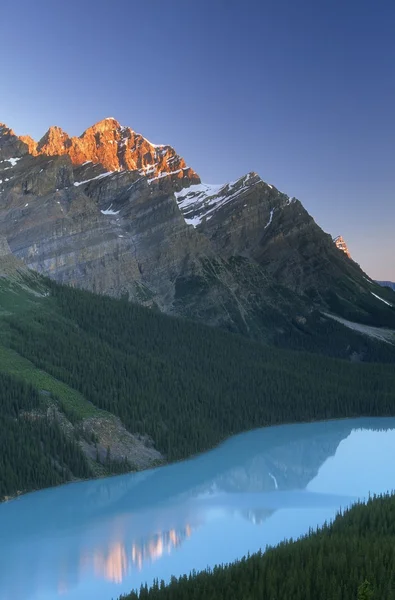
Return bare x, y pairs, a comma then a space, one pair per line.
14, 497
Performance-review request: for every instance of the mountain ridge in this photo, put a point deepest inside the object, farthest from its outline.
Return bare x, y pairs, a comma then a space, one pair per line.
242, 255
114, 146
389, 284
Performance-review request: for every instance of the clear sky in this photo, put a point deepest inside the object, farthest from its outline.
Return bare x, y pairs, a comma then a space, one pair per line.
300, 91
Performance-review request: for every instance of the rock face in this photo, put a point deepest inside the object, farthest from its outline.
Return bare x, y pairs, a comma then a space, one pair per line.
10, 145
114, 214
115, 147
341, 244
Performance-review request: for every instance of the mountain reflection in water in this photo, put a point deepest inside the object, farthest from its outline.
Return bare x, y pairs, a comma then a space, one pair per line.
102, 538
113, 561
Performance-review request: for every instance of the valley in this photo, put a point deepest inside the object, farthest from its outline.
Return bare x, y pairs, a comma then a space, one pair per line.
130, 388
146, 317
197, 301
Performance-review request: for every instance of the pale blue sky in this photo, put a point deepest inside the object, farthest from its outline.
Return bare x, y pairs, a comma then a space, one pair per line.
303, 92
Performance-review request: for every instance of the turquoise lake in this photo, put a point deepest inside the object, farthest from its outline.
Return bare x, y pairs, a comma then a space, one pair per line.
99, 539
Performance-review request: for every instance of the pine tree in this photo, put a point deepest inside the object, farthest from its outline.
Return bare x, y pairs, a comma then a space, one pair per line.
365, 591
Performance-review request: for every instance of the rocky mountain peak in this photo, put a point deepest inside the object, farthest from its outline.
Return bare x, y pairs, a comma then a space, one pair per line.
10, 145
52, 142
30, 143
107, 124
117, 148
341, 244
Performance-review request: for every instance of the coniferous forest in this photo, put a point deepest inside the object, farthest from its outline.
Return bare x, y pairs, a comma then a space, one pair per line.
185, 385
188, 387
351, 559
34, 451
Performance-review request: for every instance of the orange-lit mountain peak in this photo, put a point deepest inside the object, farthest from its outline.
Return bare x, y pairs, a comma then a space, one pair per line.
52, 141
117, 148
107, 124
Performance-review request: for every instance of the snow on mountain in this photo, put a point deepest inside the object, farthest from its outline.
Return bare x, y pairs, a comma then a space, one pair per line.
380, 298
199, 202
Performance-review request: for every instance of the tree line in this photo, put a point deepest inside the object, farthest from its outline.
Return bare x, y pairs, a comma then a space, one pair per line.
351, 559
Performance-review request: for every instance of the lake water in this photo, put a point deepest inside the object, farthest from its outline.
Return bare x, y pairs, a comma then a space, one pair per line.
102, 538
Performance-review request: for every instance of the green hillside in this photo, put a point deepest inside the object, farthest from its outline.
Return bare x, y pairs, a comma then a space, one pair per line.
87, 360
174, 387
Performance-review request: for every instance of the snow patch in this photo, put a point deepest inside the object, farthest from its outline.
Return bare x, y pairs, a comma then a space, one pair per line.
109, 211
201, 190
382, 299
162, 175
270, 218
147, 169
382, 334
200, 201
77, 183
275, 481
13, 161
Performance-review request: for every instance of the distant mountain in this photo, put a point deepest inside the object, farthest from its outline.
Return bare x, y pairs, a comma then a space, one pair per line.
389, 284
110, 212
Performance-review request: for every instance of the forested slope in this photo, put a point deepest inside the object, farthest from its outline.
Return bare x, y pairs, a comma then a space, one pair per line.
34, 451
351, 559
182, 385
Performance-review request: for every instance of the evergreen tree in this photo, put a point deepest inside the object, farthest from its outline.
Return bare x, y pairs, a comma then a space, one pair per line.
365, 591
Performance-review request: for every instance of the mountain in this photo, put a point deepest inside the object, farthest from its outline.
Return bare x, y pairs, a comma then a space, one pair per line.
389, 284
115, 147
112, 213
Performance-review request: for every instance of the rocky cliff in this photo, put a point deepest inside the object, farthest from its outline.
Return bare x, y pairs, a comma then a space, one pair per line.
113, 213
341, 244
115, 147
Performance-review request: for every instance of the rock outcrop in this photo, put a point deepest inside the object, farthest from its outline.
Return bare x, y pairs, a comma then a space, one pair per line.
10, 145
115, 147
341, 244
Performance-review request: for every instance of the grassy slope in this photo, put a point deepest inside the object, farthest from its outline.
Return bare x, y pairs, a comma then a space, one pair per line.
23, 294
18, 296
